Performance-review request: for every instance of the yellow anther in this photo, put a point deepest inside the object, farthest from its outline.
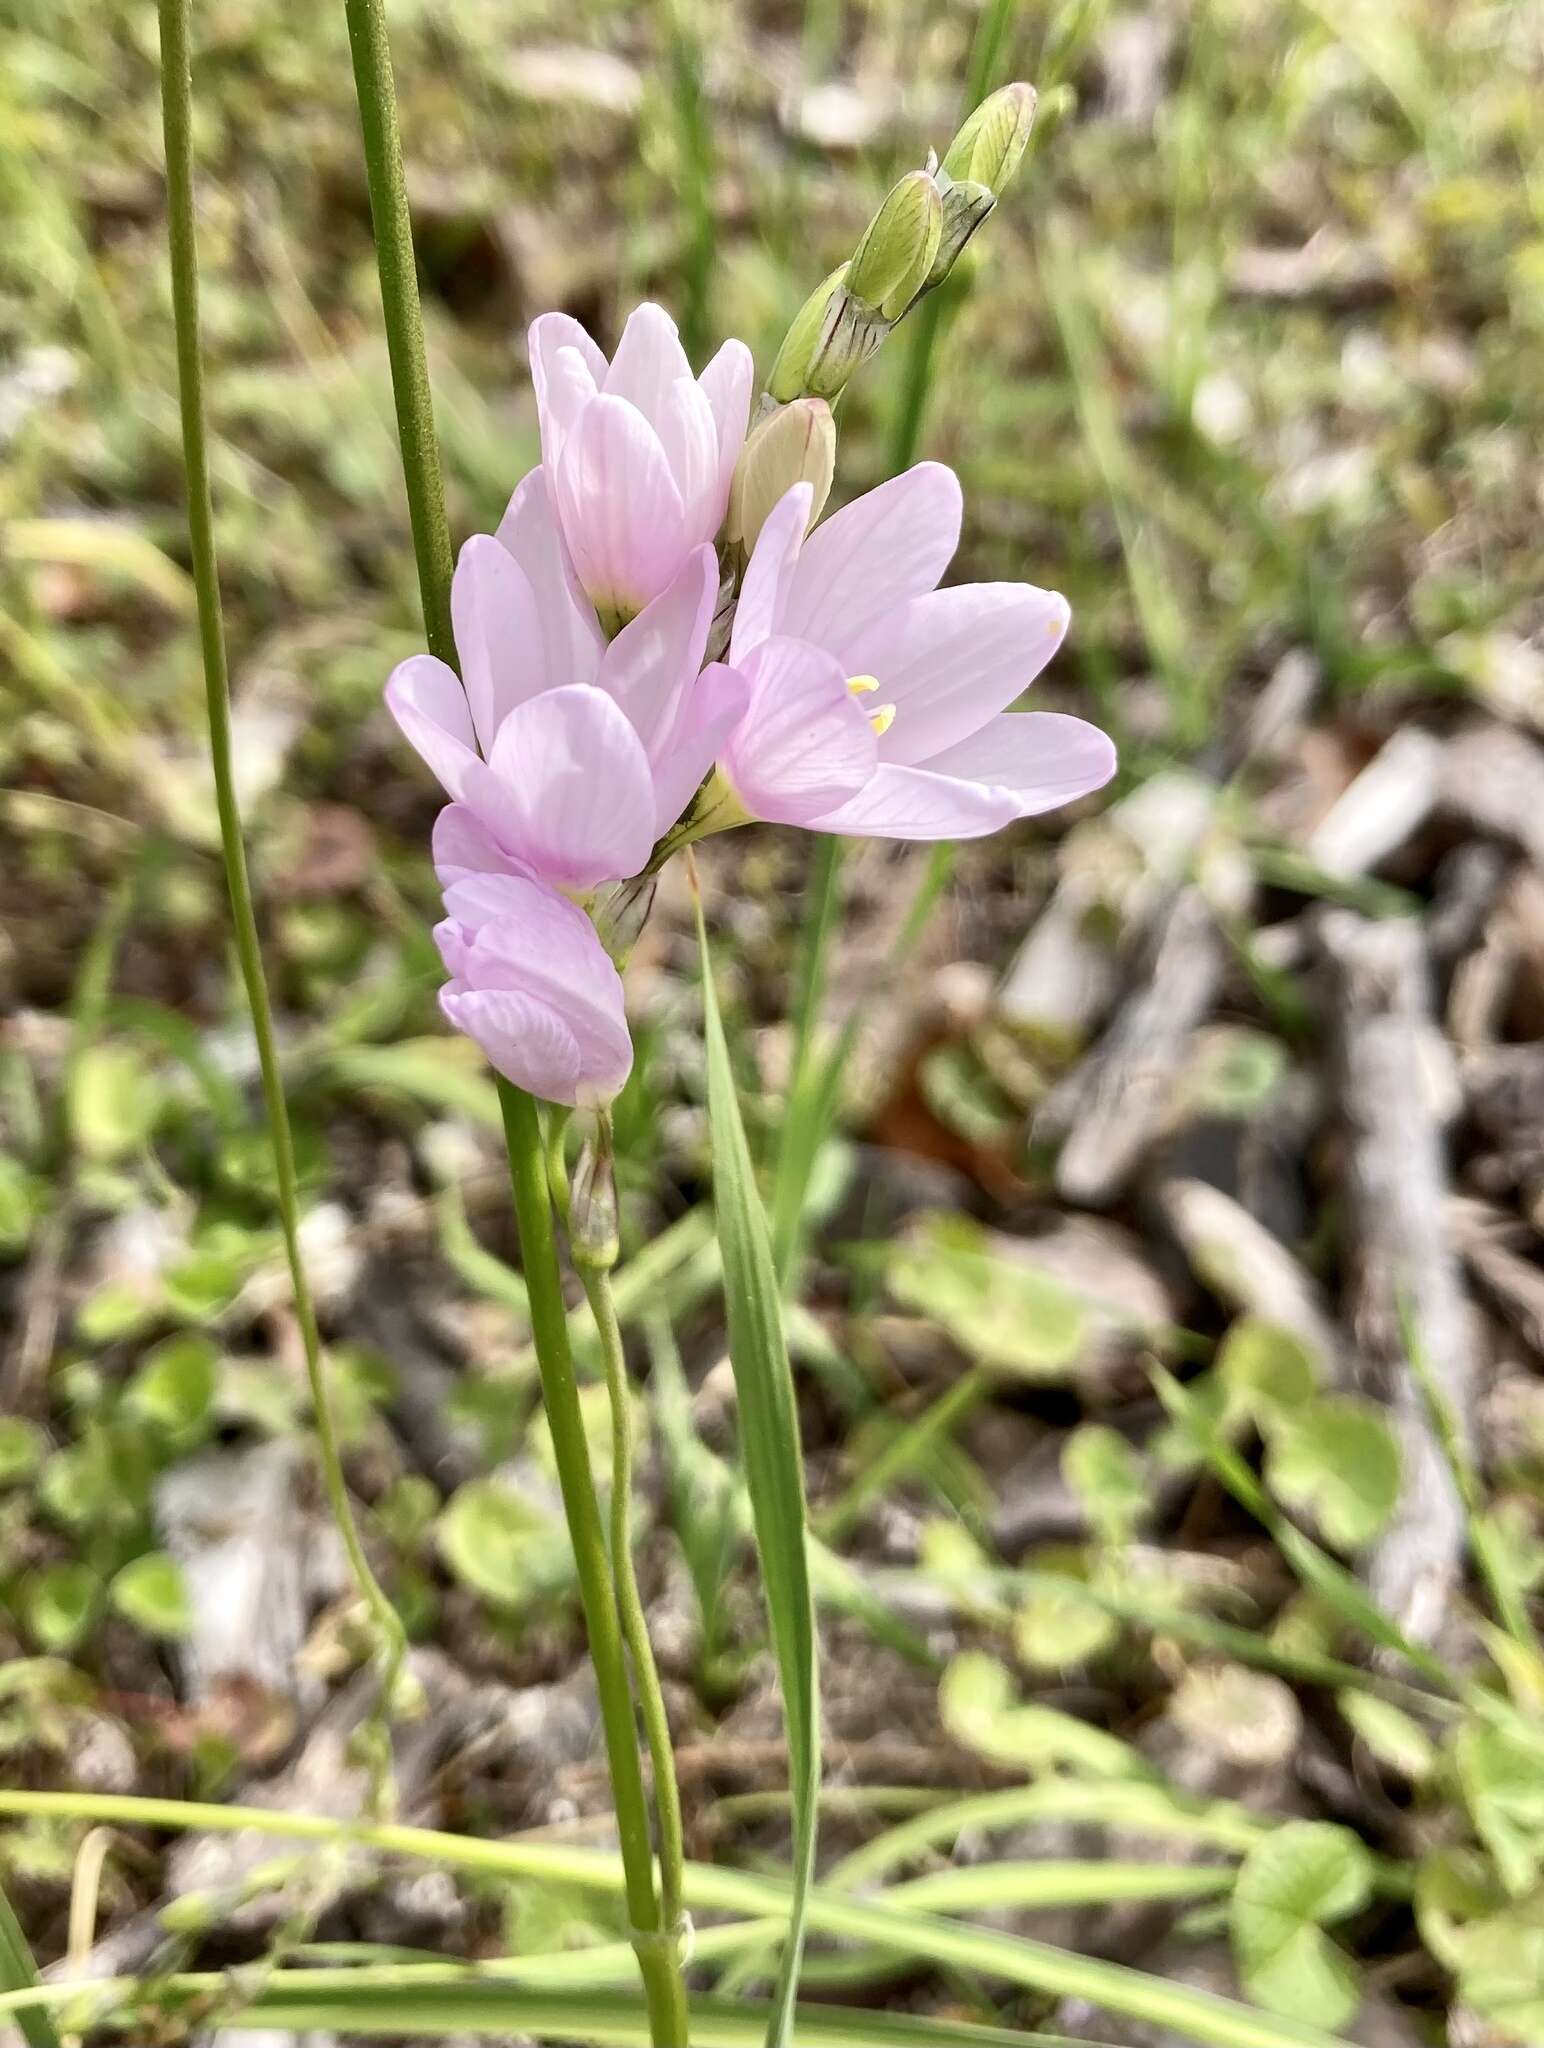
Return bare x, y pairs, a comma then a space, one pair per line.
861, 685
882, 719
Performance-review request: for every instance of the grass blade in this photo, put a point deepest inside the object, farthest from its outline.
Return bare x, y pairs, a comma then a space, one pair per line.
883, 1923
292, 2001
18, 1972
774, 1470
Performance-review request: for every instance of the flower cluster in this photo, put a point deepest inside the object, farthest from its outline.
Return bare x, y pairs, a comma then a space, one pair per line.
661, 642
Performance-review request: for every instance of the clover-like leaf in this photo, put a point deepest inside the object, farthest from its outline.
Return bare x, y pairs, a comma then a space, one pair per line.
151, 1592
1008, 1315
1295, 1882
1337, 1461
1108, 1478
1268, 1373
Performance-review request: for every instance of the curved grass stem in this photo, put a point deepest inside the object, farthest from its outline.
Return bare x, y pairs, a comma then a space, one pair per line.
177, 110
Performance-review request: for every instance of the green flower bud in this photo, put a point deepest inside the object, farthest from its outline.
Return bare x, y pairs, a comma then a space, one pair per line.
789, 378
989, 147
966, 206
795, 444
892, 262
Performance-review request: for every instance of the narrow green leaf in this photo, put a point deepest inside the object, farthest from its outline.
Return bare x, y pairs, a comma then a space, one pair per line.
301, 2000
774, 1469
18, 1972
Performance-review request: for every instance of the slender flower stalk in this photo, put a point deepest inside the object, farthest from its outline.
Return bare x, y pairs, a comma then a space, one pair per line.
593, 1245
176, 100
376, 91
654, 1938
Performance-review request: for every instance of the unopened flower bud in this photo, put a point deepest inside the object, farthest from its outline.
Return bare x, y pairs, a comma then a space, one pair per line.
791, 370
988, 149
966, 206
892, 262
796, 444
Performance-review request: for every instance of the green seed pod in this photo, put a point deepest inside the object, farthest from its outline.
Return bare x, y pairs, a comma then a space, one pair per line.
790, 373
988, 149
892, 262
795, 444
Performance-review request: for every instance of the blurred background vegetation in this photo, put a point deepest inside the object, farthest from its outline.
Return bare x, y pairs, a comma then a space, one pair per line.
1247, 365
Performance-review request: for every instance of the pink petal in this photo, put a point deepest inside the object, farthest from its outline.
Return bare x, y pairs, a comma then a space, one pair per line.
859, 565
684, 423
770, 570
651, 663
709, 712
561, 387
649, 360
464, 847
727, 384
571, 636
1042, 758
545, 947
950, 660
619, 507
803, 745
498, 634
426, 699
567, 789
523, 1039
911, 803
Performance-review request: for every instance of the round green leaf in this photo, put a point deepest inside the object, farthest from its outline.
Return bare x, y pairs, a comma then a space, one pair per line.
151, 1592
1338, 1462
115, 1100
175, 1386
1006, 1314
22, 1200
501, 1544
1269, 1374
60, 1602
1057, 1628
1296, 1881
1396, 1739
23, 1447
1108, 1478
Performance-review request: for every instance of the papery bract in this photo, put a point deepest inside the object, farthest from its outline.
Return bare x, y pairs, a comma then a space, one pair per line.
531, 982
575, 755
937, 666
640, 452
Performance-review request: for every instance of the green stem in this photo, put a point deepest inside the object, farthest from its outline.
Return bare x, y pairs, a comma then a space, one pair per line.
655, 1941
635, 1628
392, 222
177, 114
657, 1958
927, 322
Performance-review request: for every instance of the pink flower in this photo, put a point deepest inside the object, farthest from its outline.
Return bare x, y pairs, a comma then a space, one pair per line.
575, 756
936, 667
640, 453
532, 984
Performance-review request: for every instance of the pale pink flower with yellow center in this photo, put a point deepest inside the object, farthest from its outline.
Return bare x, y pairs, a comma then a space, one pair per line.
935, 669
640, 453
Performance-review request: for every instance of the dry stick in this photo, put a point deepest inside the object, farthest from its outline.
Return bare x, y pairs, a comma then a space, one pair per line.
177, 113
1402, 1262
